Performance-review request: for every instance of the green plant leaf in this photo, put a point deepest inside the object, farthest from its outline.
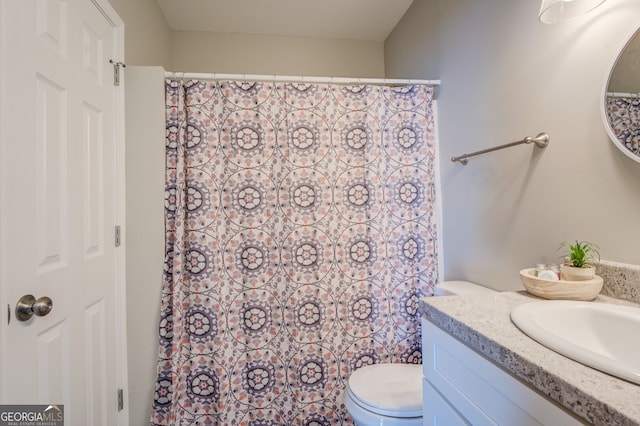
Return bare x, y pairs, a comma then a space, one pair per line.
581, 254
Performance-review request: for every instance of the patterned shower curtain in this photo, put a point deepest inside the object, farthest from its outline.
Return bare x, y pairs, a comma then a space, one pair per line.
300, 234
624, 115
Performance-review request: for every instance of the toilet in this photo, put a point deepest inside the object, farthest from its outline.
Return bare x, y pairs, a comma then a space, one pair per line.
452, 288
391, 394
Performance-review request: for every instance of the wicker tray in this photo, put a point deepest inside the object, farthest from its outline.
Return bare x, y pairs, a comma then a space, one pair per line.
561, 289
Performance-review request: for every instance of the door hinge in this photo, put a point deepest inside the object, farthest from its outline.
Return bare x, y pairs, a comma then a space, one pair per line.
117, 236
116, 71
120, 400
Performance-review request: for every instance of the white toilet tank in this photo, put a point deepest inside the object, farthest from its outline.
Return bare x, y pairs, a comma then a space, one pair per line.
452, 288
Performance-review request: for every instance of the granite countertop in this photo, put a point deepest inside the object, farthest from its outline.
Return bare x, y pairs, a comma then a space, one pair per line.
483, 323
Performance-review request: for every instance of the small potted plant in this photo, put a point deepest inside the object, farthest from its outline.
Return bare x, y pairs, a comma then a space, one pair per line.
580, 261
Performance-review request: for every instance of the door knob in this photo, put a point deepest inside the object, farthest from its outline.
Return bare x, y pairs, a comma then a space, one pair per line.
27, 306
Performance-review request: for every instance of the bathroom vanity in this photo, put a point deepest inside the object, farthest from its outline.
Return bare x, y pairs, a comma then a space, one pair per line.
481, 369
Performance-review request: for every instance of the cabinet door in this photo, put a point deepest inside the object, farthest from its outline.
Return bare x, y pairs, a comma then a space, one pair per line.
479, 390
436, 409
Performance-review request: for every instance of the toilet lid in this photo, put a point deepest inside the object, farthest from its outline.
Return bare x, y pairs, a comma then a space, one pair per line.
389, 389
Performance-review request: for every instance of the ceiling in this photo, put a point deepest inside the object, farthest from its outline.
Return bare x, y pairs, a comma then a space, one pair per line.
370, 20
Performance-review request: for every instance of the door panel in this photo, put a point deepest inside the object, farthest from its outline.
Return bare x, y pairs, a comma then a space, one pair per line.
53, 363
51, 177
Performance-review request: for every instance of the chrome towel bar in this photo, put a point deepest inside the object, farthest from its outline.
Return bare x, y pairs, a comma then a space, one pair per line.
541, 141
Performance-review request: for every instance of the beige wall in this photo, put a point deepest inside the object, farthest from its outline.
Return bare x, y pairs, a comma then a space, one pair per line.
149, 41
147, 36
505, 76
260, 54
625, 76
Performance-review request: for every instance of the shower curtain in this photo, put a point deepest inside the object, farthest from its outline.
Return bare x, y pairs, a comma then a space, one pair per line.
624, 116
300, 234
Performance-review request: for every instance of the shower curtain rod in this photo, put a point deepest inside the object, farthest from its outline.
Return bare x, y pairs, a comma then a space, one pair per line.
299, 79
623, 95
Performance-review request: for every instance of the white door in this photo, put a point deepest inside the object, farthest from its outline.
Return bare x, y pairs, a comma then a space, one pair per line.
61, 198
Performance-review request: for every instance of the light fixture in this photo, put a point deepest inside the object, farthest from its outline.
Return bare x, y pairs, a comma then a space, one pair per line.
554, 11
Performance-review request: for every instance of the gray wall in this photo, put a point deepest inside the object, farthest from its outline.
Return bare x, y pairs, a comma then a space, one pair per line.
505, 76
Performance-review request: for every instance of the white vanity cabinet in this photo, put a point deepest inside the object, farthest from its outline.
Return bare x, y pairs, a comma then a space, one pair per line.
461, 387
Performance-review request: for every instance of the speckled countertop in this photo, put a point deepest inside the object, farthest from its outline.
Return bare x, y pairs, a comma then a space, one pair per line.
483, 323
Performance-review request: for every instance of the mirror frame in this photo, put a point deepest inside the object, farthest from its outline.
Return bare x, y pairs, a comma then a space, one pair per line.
603, 103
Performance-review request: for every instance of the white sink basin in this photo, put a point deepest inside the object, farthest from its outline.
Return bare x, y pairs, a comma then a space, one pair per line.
600, 335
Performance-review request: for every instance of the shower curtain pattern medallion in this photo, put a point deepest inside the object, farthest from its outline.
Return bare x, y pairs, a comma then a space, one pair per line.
300, 233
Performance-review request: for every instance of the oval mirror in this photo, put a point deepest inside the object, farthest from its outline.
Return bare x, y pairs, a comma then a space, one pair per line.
621, 108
